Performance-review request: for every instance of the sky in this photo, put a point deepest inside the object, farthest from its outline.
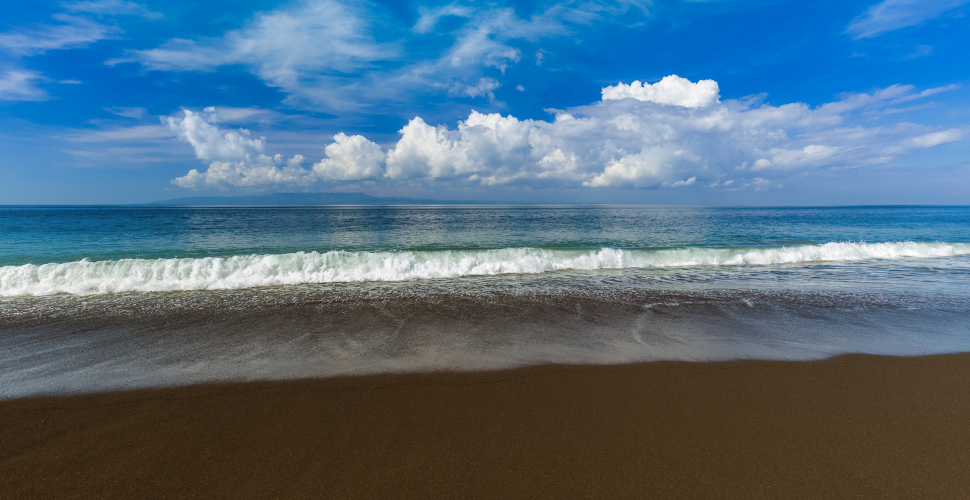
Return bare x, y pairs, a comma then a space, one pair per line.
730, 102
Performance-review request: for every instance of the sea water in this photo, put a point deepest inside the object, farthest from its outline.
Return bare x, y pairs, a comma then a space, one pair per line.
108, 298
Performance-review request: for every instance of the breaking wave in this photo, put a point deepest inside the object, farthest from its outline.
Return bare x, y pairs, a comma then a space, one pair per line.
246, 271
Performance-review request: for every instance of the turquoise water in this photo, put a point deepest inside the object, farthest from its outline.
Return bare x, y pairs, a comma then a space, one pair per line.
41, 235
87, 250
108, 298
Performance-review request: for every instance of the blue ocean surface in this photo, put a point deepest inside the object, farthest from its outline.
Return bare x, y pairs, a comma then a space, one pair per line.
40, 235
106, 298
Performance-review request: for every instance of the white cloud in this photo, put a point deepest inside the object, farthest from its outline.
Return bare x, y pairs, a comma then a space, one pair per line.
74, 32
209, 141
236, 159
258, 172
351, 158
227, 114
17, 85
908, 94
430, 17
116, 146
671, 89
426, 151
323, 52
685, 182
484, 88
127, 112
484, 39
759, 184
891, 15
112, 8
124, 134
937, 138
641, 143
645, 168
319, 36
633, 142
921, 51
781, 158
297, 50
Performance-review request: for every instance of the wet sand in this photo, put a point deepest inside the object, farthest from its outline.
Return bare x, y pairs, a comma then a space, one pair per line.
853, 426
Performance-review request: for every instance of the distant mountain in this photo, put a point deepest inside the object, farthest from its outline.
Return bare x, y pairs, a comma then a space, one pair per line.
292, 199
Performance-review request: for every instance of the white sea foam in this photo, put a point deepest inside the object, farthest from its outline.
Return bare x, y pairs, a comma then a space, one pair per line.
245, 271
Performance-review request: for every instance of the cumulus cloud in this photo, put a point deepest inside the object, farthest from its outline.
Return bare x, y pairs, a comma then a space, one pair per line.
236, 157
350, 158
671, 89
654, 135
426, 151
648, 167
676, 135
209, 141
237, 160
258, 172
891, 15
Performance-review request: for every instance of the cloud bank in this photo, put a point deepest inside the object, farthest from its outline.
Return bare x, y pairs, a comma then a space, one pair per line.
671, 134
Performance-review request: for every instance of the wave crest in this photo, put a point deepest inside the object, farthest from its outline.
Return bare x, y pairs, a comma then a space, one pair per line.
246, 271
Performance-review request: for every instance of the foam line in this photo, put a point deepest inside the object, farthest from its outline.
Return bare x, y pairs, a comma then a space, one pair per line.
245, 271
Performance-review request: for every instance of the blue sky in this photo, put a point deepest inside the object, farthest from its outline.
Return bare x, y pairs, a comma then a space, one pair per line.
697, 102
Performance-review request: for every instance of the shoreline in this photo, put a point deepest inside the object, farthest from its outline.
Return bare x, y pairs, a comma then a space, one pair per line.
850, 426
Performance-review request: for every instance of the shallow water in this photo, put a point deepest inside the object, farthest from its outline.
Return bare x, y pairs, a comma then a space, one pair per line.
95, 299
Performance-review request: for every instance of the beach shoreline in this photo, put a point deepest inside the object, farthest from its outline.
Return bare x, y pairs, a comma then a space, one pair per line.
852, 426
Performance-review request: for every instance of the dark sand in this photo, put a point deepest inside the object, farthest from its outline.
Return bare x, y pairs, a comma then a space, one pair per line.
855, 426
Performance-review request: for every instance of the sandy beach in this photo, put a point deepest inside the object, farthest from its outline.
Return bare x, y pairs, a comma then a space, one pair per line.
850, 427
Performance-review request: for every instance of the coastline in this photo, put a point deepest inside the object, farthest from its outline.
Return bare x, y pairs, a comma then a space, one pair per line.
852, 426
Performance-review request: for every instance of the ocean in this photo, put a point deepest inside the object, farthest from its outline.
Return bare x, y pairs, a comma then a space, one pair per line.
109, 298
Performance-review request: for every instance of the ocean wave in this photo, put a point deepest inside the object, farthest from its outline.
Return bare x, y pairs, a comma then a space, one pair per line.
246, 271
